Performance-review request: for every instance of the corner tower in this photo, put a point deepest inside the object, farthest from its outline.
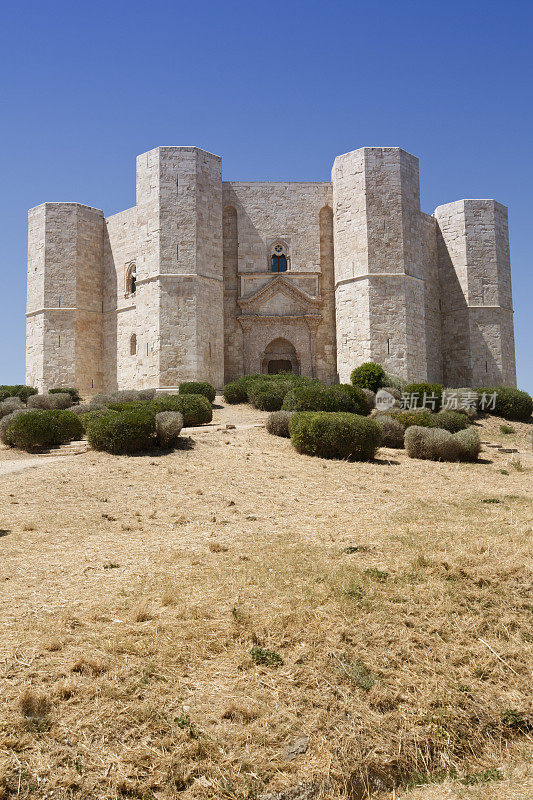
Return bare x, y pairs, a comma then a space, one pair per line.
64, 306
475, 284
180, 301
379, 286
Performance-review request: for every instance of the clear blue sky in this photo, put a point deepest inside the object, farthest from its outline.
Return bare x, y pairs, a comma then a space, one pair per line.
277, 89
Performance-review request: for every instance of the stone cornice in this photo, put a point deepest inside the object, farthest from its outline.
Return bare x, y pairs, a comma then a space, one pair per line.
283, 286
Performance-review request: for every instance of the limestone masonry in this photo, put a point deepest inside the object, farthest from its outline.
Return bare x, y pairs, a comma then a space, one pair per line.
207, 279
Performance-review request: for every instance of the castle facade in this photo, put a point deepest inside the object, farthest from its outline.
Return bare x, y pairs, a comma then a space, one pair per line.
207, 279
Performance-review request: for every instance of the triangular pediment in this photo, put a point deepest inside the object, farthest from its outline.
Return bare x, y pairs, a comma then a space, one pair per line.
280, 297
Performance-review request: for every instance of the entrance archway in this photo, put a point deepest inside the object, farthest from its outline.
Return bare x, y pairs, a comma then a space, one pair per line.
280, 356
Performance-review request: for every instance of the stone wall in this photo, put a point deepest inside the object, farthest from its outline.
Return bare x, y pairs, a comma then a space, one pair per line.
65, 293
256, 216
370, 277
475, 286
379, 257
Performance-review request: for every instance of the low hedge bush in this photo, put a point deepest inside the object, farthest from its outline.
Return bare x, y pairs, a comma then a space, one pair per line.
451, 421
168, 425
198, 387
87, 416
335, 435
36, 430
278, 423
17, 390
369, 376
6, 421
74, 394
195, 408
267, 396
392, 431
432, 392
9, 405
123, 432
235, 392
437, 444
316, 397
50, 402
510, 403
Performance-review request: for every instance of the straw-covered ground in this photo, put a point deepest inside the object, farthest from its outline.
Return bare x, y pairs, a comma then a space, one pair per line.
233, 618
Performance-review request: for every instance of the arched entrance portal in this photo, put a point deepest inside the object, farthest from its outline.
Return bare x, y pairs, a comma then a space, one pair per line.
280, 356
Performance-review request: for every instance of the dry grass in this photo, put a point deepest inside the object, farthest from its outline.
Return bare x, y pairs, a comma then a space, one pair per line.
397, 599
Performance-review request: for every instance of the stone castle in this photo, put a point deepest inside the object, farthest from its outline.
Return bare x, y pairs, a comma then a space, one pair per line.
207, 279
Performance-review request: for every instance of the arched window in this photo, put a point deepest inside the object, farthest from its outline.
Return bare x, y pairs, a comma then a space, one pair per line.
133, 344
278, 258
131, 279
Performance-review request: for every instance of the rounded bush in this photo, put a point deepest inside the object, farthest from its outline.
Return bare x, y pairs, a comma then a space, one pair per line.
9, 405
335, 435
409, 418
369, 376
84, 408
369, 397
36, 430
147, 394
392, 431
394, 382
432, 392
85, 417
316, 397
6, 421
50, 402
470, 444
267, 396
74, 394
510, 403
17, 390
452, 421
195, 408
123, 432
168, 425
437, 444
278, 423
198, 387
235, 392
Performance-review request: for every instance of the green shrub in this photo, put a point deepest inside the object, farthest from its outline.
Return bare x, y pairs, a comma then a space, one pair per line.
370, 399
6, 421
9, 405
316, 397
168, 425
510, 403
86, 417
74, 394
50, 402
235, 392
503, 428
392, 431
17, 390
265, 657
431, 391
394, 382
195, 408
408, 418
278, 423
452, 421
267, 396
147, 394
36, 430
470, 444
369, 376
335, 435
84, 408
123, 432
197, 387
437, 444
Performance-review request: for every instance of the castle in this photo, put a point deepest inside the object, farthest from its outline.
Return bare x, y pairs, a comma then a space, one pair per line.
207, 279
